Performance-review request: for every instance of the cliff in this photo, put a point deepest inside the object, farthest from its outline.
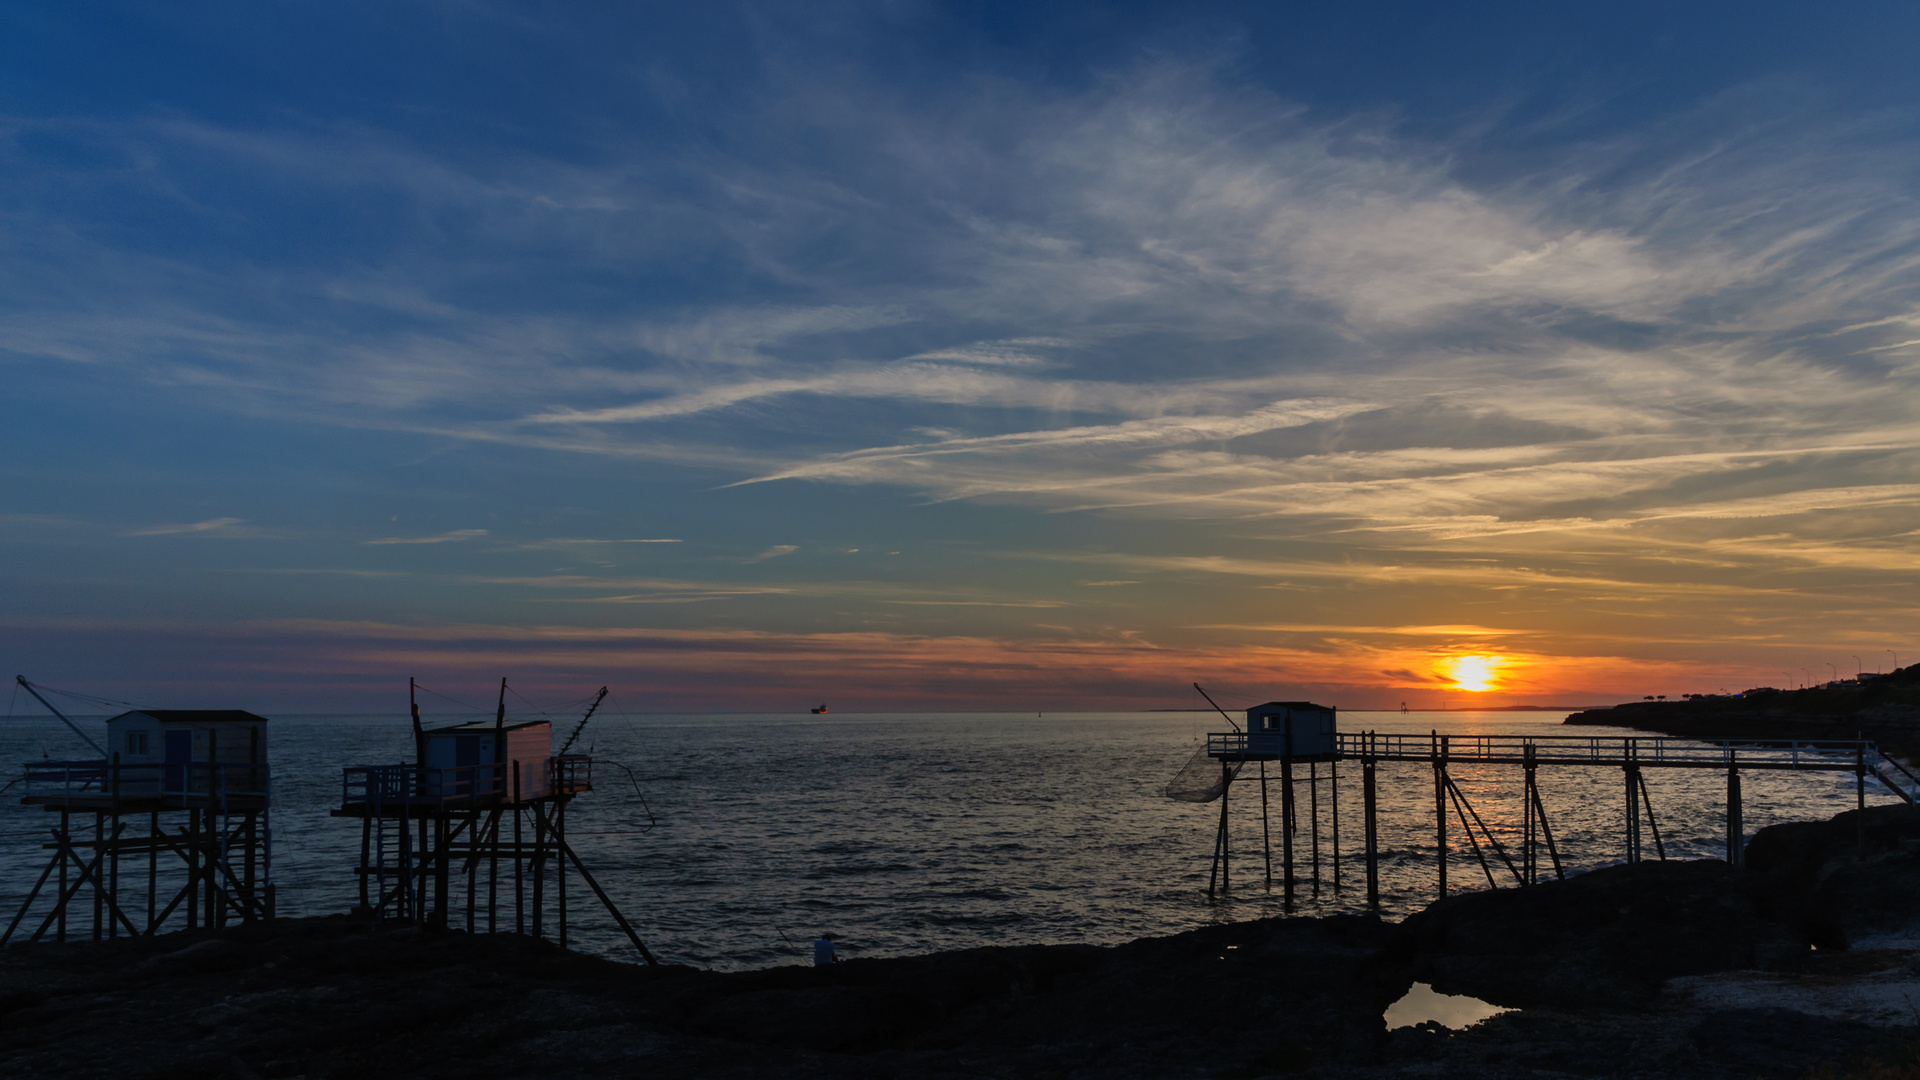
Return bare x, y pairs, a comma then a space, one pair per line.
1886, 710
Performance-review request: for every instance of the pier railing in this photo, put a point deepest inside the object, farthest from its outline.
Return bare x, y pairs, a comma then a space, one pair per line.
571, 773
95, 782
402, 785
1835, 754
1646, 751
1819, 755
462, 785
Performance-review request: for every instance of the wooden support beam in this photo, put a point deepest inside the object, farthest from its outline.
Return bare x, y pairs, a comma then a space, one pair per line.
611, 909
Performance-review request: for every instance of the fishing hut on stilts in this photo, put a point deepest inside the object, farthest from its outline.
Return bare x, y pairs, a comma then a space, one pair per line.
1292, 733
483, 804
181, 802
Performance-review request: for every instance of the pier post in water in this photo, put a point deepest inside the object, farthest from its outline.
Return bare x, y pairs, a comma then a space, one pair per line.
1313, 815
1214, 876
1736, 840
1369, 825
1266, 834
1632, 771
1333, 792
1286, 829
1440, 809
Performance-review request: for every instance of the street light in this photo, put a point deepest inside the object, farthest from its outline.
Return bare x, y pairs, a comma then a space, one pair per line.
1809, 682
1896, 659
1836, 671
1857, 666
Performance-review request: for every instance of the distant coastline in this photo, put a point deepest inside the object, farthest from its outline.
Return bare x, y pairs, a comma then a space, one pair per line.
1883, 708
1481, 708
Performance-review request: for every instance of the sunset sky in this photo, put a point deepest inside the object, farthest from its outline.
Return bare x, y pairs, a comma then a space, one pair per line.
940, 356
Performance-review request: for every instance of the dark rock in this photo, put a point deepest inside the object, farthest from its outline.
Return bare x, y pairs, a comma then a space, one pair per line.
1755, 1041
1837, 881
331, 998
1607, 938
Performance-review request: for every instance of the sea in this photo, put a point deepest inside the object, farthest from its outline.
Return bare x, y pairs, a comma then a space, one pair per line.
730, 841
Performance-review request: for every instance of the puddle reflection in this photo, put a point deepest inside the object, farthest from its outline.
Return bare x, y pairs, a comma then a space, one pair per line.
1422, 1003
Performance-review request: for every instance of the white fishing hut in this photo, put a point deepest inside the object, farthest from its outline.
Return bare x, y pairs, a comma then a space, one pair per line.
485, 758
175, 750
1299, 730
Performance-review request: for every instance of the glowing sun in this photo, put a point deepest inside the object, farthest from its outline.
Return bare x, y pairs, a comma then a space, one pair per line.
1475, 673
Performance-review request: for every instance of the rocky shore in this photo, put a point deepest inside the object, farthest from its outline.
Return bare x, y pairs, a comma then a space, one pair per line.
1794, 967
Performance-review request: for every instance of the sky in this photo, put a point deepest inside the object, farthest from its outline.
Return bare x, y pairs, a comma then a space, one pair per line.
957, 356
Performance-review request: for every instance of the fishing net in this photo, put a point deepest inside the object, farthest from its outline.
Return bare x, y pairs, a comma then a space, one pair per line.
1202, 779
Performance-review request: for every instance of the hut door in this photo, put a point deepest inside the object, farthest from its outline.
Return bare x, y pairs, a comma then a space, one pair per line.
466, 750
179, 756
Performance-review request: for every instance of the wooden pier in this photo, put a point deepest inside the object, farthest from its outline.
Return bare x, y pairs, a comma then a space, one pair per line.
1632, 755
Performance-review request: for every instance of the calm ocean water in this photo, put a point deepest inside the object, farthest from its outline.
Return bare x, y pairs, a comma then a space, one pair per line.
905, 833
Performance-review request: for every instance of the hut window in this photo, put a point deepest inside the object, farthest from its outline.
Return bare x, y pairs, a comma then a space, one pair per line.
136, 742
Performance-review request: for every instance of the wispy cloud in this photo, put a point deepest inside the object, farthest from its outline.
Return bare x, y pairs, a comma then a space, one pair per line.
210, 527
1259, 345
453, 537
569, 542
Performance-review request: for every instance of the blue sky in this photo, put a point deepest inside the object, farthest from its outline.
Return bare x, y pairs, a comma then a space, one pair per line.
922, 355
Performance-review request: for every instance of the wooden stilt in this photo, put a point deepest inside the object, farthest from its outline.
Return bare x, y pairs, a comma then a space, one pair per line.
1529, 865
1440, 810
611, 910
153, 870
538, 870
1313, 821
1370, 828
493, 878
1333, 790
1860, 801
1736, 829
193, 863
113, 857
1653, 825
1633, 812
99, 890
1287, 825
1266, 835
